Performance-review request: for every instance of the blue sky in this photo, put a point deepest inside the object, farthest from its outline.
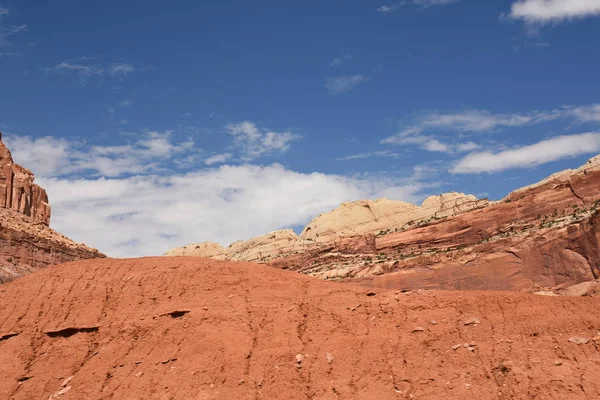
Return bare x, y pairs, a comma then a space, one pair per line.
154, 125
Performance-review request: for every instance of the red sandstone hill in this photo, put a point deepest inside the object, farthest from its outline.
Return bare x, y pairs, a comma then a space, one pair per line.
193, 328
26, 241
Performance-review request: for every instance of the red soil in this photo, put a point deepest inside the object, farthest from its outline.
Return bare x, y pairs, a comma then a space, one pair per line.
190, 328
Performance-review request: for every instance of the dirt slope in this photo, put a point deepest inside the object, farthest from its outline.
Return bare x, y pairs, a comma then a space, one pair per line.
192, 328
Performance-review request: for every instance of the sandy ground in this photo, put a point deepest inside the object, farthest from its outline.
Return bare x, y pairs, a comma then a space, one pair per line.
191, 328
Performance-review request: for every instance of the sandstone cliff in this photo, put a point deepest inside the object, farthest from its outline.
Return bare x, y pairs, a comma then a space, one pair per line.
544, 237
367, 216
348, 220
26, 241
17, 190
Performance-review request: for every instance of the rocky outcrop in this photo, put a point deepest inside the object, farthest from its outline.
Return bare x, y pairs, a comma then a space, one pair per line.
367, 216
258, 249
364, 217
543, 237
17, 190
26, 241
204, 249
266, 247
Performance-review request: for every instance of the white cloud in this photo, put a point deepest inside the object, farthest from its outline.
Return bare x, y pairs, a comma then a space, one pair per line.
85, 69
147, 215
343, 84
467, 146
49, 156
589, 113
382, 153
386, 9
545, 11
481, 121
437, 146
255, 142
431, 3
120, 70
548, 150
339, 60
6, 32
429, 143
218, 158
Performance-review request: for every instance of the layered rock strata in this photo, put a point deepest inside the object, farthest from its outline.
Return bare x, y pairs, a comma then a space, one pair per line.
17, 190
348, 220
27, 243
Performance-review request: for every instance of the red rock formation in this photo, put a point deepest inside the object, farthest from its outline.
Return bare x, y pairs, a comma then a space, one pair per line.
17, 190
26, 241
194, 328
539, 237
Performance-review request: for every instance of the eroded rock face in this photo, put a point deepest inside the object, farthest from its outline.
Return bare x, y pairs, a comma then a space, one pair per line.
17, 190
367, 216
204, 249
263, 248
266, 247
26, 247
542, 237
26, 241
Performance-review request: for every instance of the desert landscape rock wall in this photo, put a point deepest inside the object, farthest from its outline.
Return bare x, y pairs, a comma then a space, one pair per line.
27, 243
540, 237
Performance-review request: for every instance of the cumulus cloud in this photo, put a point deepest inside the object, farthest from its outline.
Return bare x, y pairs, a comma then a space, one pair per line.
545, 11
147, 215
254, 142
49, 156
130, 199
545, 151
343, 84
218, 158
